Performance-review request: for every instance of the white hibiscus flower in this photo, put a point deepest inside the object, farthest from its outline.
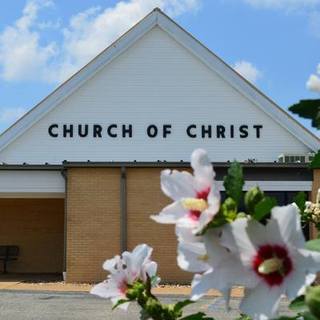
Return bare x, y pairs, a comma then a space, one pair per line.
124, 271
224, 270
192, 256
196, 197
274, 257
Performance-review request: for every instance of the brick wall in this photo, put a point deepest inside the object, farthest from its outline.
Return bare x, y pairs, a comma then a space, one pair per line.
144, 197
93, 225
36, 226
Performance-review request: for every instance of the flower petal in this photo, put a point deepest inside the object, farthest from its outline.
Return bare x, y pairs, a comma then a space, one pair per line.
105, 290
112, 265
297, 282
235, 237
307, 260
223, 277
261, 302
150, 269
289, 222
192, 257
202, 167
171, 213
135, 260
177, 185
201, 284
186, 234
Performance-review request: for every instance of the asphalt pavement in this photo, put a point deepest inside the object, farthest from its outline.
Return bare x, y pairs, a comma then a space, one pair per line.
28, 305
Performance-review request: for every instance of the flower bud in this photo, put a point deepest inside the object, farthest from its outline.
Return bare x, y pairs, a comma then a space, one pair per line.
252, 198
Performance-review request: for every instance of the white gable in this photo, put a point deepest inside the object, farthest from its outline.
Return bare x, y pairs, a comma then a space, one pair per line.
158, 82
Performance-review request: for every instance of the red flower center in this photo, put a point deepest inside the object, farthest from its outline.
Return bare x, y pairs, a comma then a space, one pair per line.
195, 214
123, 286
278, 254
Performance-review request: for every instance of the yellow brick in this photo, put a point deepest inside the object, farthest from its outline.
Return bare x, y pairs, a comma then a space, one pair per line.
93, 227
36, 226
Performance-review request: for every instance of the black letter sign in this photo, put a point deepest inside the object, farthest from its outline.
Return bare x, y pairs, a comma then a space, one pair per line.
258, 127
51, 133
152, 131
243, 131
189, 133
166, 130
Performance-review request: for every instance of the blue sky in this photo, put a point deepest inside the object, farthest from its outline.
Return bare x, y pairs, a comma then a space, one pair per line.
274, 43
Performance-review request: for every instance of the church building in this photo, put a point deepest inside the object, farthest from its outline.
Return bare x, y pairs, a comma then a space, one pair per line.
80, 172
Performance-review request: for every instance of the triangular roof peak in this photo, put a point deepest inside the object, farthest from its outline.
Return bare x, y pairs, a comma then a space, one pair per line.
158, 18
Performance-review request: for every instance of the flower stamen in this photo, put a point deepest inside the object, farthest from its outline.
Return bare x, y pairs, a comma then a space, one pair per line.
203, 258
270, 265
194, 204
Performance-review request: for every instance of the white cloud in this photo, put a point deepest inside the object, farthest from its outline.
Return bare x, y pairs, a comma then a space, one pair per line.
23, 55
283, 4
313, 82
247, 70
9, 115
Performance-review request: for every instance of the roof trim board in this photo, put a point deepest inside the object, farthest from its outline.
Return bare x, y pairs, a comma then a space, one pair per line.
158, 18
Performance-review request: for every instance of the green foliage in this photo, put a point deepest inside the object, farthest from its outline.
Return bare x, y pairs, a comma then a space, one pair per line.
252, 198
298, 304
229, 209
135, 290
121, 301
313, 245
309, 109
306, 316
181, 304
300, 200
233, 182
315, 163
227, 213
244, 317
313, 301
263, 208
197, 316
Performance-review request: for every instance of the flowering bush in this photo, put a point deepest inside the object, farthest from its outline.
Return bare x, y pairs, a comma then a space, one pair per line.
261, 248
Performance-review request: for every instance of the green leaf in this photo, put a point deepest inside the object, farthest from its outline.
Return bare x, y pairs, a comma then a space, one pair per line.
307, 316
313, 245
197, 316
313, 301
181, 304
252, 198
263, 208
244, 317
121, 301
300, 200
218, 221
233, 182
298, 304
315, 163
309, 109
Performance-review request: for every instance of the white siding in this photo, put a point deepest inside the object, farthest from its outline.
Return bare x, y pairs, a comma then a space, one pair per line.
31, 184
156, 81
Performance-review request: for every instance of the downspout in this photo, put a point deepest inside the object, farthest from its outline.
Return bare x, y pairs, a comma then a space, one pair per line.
123, 210
64, 173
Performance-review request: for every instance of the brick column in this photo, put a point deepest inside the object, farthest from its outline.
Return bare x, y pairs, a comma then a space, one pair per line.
315, 187
93, 221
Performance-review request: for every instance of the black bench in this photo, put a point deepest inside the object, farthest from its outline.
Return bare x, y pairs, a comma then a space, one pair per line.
8, 253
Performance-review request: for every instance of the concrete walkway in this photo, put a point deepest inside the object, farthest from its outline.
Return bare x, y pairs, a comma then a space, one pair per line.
35, 305
55, 284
